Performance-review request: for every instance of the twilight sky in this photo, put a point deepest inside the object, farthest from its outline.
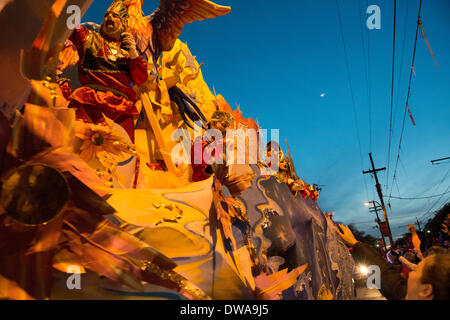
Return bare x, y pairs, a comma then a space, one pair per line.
283, 62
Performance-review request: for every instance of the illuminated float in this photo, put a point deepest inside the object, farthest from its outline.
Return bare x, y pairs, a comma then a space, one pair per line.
84, 192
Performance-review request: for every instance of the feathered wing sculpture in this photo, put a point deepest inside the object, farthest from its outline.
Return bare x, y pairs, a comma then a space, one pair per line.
172, 15
159, 31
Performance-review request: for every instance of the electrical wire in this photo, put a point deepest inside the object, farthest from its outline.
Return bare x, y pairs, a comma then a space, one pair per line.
434, 204
419, 198
366, 71
401, 60
434, 190
400, 77
390, 219
409, 91
351, 91
430, 212
392, 93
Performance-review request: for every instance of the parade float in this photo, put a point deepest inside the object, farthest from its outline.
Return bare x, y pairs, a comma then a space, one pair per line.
91, 184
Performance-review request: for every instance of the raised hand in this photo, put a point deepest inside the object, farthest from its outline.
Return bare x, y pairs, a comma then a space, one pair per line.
412, 228
445, 229
129, 44
347, 235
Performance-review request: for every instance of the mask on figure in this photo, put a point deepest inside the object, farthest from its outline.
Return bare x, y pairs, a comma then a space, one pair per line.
115, 20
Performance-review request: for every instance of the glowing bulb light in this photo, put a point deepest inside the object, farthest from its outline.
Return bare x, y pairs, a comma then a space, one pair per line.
363, 270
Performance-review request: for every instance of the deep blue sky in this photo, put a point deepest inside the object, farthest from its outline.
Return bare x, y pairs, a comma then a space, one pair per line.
276, 58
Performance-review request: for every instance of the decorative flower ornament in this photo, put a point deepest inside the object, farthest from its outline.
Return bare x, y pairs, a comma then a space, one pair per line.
102, 143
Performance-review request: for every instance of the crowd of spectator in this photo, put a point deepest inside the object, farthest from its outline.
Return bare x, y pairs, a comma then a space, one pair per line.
414, 271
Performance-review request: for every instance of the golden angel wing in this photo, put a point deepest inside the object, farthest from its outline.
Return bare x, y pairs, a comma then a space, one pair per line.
171, 16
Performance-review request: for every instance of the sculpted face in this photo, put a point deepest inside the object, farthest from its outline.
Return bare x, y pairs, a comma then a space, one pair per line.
283, 165
112, 25
222, 126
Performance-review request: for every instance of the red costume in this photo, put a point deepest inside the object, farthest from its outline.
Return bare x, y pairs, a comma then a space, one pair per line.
106, 73
202, 171
199, 169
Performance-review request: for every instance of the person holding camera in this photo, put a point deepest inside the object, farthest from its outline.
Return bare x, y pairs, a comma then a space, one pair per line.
429, 281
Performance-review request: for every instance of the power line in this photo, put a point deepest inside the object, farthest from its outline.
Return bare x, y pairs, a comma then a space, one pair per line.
369, 92
392, 94
369, 85
436, 188
347, 65
409, 92
391, 219
402, 59
396, 184
418, 198
400, 77
366, 71
429, 212
443, 179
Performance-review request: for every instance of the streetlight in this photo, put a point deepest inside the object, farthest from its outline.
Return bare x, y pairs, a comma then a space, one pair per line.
374, 203
375, 208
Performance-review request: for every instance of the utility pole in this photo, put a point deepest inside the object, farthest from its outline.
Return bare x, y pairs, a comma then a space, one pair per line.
439, 160
418, 224
380, 195
375, 209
